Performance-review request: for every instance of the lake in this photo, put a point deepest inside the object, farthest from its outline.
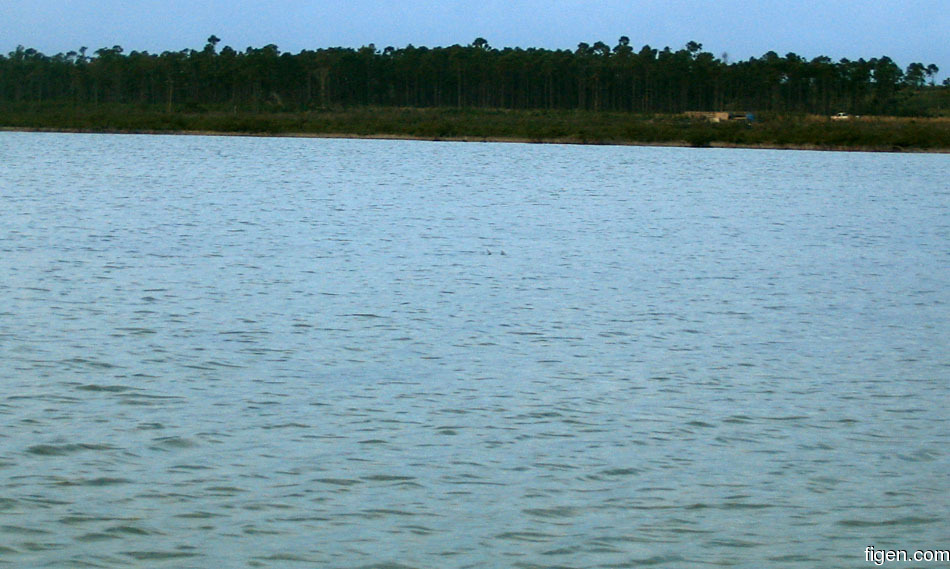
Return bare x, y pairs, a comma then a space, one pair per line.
285, 352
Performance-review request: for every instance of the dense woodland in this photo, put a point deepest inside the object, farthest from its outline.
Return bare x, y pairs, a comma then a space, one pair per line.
593, 77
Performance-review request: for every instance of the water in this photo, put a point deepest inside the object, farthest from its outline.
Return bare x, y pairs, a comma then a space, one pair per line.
251, 352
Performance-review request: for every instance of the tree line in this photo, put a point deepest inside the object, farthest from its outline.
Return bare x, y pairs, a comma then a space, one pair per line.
593, 77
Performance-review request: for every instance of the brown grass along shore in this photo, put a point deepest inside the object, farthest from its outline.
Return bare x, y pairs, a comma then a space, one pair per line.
802, 132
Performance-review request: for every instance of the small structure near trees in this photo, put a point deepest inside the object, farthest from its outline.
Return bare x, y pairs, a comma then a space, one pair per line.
721, 116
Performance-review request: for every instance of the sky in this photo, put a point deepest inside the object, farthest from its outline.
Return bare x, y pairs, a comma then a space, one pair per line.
905, 30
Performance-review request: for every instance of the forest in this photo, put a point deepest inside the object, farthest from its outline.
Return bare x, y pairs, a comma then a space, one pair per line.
594, 77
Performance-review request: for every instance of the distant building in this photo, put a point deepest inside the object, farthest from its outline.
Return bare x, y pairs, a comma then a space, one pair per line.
721, 116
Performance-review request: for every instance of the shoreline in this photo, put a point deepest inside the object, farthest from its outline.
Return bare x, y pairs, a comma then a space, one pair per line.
492, 139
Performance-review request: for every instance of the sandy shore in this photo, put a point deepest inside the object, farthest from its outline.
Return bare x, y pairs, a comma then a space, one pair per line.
519, 140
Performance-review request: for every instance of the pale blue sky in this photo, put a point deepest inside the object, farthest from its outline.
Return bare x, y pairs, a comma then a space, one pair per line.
906, 30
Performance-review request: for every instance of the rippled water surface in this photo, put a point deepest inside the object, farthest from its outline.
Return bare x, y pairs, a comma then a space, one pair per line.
251, 352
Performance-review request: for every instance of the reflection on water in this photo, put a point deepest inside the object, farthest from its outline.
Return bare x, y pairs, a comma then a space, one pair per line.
281, 352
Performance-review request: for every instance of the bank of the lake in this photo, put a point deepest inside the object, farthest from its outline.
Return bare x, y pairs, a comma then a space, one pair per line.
549, 126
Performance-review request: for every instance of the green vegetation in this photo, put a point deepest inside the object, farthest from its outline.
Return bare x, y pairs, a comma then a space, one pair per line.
595, 94
485, 124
